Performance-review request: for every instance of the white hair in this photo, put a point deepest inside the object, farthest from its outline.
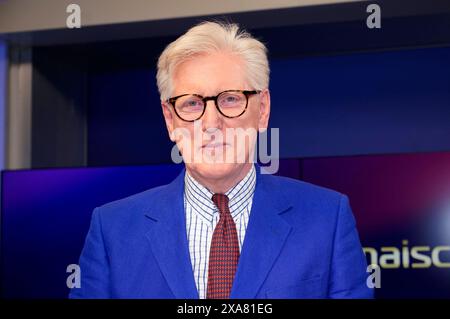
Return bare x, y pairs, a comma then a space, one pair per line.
210, 37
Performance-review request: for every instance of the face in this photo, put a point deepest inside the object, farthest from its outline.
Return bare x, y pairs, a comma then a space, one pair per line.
215, 140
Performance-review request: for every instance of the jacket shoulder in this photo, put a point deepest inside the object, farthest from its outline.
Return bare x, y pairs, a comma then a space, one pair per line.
293, 188
128, 211
318, 207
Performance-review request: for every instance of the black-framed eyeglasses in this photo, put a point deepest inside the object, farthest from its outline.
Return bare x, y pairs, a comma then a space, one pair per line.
229, 103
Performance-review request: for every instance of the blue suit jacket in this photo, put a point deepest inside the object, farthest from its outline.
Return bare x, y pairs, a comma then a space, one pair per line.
301, 242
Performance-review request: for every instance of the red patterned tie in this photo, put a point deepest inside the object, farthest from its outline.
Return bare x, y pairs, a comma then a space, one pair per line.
224, 253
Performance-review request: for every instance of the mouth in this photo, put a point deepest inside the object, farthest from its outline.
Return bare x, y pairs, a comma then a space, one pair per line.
214, 145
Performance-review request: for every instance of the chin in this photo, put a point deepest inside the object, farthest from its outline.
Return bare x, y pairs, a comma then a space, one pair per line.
214, 170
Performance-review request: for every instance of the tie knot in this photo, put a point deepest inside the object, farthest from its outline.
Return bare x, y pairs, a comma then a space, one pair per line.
221, 201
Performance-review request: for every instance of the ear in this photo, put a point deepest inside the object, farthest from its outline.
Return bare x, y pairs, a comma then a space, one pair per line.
264, 110
168, 118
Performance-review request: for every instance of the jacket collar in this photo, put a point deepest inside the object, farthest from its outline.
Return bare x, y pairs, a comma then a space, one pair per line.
265, 236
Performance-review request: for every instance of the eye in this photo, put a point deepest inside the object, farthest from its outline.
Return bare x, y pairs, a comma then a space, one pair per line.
230, 99
190, 104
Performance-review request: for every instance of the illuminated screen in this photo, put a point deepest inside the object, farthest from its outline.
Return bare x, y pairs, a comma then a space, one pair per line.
402, 207
46, 216
401, 204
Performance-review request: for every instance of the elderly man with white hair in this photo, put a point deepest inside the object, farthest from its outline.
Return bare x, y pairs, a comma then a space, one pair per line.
222, 229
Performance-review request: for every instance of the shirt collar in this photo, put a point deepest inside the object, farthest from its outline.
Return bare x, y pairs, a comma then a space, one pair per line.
200, 198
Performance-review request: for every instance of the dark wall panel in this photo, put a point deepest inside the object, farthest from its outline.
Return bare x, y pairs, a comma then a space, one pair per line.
59, 107
365, 103
385, 102
125, 121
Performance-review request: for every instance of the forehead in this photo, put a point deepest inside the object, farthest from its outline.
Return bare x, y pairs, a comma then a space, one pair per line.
209, 74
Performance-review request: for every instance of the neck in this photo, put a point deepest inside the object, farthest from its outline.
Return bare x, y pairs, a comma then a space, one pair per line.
223, 184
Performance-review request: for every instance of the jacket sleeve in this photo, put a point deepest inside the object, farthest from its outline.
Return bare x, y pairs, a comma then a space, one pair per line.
348, 266
94, 264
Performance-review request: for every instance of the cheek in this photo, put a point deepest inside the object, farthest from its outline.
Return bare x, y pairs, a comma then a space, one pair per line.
247, 120
182, 133
181, 125
254, 112
242, 130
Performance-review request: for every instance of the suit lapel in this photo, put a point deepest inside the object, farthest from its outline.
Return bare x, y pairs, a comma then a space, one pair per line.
167, 236
265, 236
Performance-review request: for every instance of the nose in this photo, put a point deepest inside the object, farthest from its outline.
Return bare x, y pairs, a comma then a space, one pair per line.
211, 119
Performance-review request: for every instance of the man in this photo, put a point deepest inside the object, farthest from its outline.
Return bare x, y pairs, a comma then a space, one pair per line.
222, 229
